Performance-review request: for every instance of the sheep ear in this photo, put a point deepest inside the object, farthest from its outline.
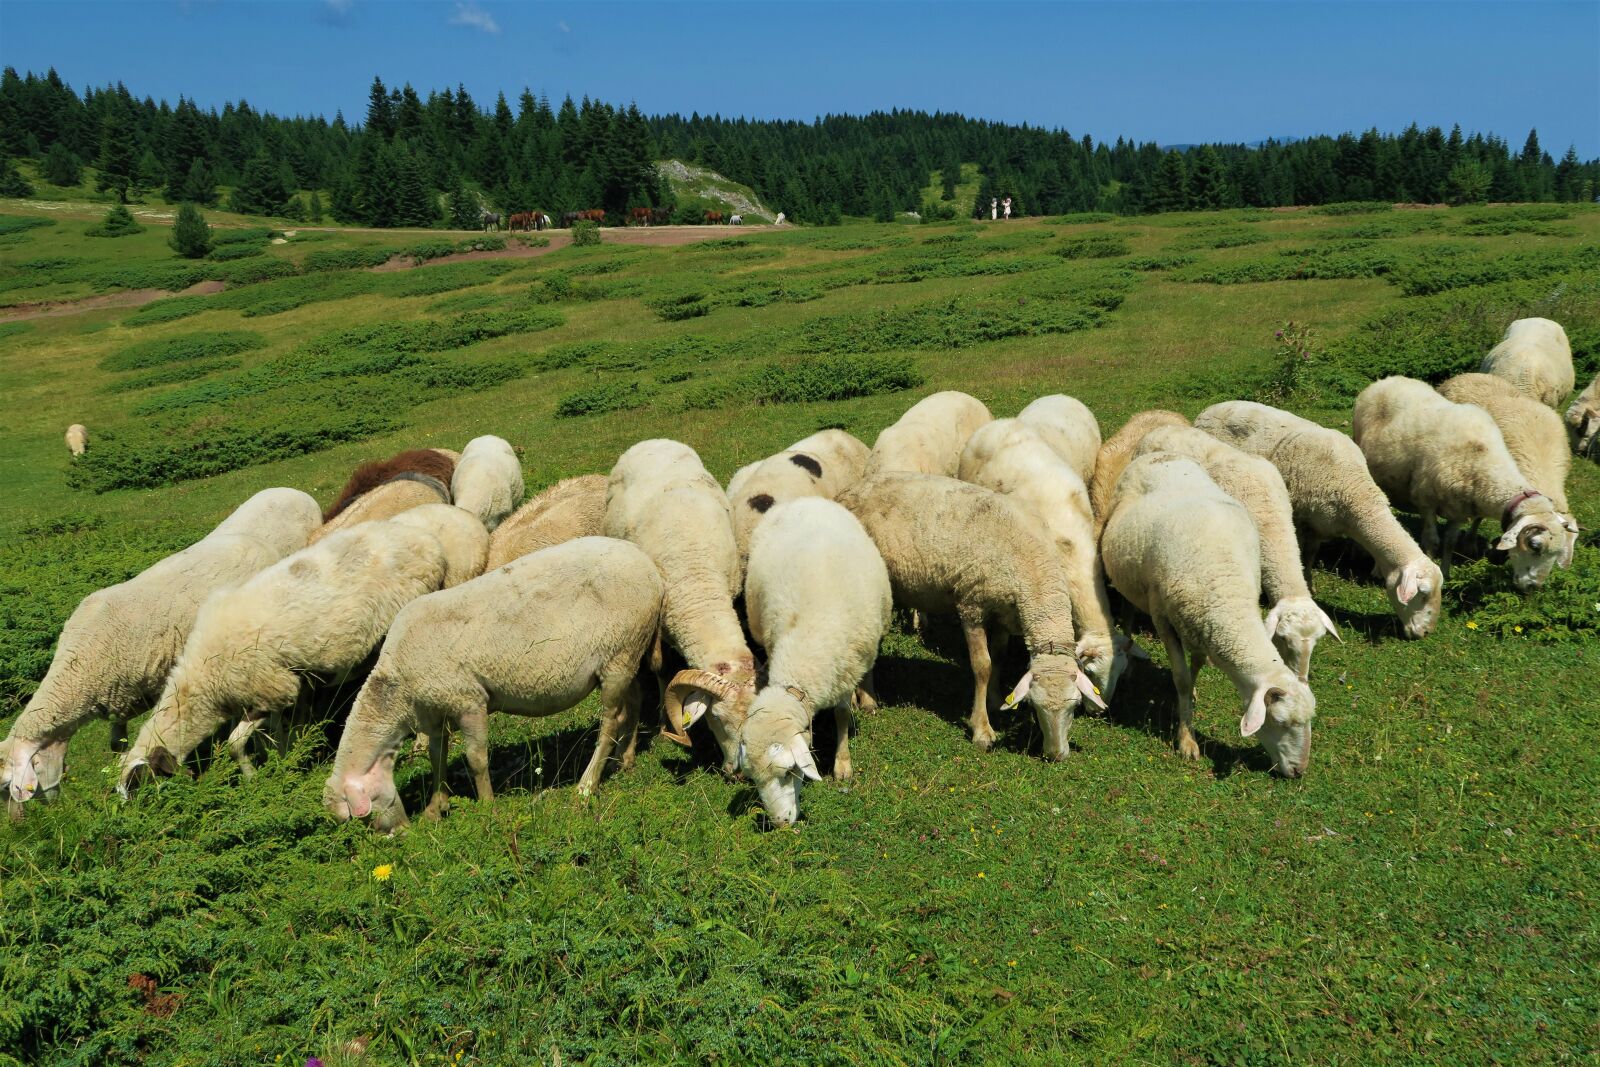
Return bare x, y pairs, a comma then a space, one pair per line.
1570, 525
1410, 580
1020, 692
1255, 715
1332, 629
1272, 618
802, 758
1090, 693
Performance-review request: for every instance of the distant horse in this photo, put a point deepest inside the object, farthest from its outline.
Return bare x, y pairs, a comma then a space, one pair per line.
541, 221
489, 220
736, 220
522, 220
660, 216
594, 214
713, 218
639, 216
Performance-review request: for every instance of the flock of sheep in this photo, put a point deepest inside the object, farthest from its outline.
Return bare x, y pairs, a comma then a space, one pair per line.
1015, 525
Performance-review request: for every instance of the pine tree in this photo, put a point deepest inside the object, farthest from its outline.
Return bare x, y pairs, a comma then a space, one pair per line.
414, 201
1469, 183
151, 175
294, 208
380, 114
11, 183
197, 186
464, 211
118, 164
61, 166
1208, 182
314, 209
191, 237
261, 189
1170, 188
117, 223
344, 198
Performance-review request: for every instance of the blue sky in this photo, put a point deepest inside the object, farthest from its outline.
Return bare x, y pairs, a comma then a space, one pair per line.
1166, 71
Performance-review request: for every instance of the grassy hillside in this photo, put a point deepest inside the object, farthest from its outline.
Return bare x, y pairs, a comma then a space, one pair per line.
1425, 893
695, 183
966, 189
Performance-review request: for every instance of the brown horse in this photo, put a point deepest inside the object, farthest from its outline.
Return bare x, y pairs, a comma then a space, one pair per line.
426, 461
639, 216
713, 218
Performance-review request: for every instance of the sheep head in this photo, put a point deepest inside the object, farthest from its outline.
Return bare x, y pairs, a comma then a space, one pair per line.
1280, 711
1294, 625
1537, 543
32, 769
1583, 423
775, 752
1055, 686
1416, 591
370, 793
725, 695
157, 762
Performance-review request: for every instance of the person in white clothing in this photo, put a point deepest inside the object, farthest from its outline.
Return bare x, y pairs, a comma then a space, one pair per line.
994, 204
1006, 206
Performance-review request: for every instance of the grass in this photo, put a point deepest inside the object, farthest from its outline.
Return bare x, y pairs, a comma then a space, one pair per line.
1425, 894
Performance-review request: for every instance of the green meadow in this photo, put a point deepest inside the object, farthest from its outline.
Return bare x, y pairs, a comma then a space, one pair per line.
1429, 892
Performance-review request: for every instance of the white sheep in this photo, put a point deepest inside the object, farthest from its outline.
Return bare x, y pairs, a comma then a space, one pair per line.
572, 508
1012, 457
1533, 433
929, 437
1115, 454
820, 465
1449, 460
1068, 426
118, 646
1583, 421
950, 546
660, 497
1535, 356
488, 480
531, 638
818, 600
319, 612
77, 439
1294, 622
1333, 495
1186, 553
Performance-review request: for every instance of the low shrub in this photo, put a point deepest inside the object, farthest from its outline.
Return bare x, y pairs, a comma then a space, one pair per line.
326, 259
227, 253
1093, 246
430, 335
1161, 261
678, 308
242, 235
948, 324
254, 270
174, 375
1432, 276
830, 378
1353, 207
598, 399
1334, 260
1562, 610
1081, 218
585, 232
118, 222
168, 275
1223, 239
442, 278
183, 349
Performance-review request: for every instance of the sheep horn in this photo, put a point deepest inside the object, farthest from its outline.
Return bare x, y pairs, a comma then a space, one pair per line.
685, 681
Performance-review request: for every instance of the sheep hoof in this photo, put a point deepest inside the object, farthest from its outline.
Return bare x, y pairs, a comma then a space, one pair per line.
1188, 748
984, 742
842, 770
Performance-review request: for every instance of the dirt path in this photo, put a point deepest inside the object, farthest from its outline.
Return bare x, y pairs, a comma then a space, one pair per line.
127, 298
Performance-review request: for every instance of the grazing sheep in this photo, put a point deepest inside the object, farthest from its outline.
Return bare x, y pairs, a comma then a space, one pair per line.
929, 437
1115, 454
382, 489
1334, 495
1583, 421
1450, 460
319, 612
532, 638
1187, 554
660, 497
1295, 623
818, 601
77, 439
1534, 356
1013, 458
950, 546
570, 509
488, 480
119, 644
1069, 427
821, 465
466, 545
1534, 434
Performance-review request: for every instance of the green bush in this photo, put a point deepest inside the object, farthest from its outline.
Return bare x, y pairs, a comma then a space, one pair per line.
1161, 261
327, 259
1353, 207
252, 271
585, 232
174, 375
226, 253
1432, 276
191, 237
242, 235
598, 399
10, 224
429, 335
1081, 218
1093, 246
1334, 260
830, 378
118, 222
183, 349
1562, 610
678, 308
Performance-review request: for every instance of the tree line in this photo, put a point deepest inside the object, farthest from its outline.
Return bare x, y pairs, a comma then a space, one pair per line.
415, 161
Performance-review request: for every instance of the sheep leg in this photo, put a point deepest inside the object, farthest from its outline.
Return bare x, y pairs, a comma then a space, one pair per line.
630, 727
1310, 545
278, 731
1429, 534
841, 756
999, 642
475, 742
1452, 531
239, 745
613, 722
978, 652
119, 735
438, 749
867, 693
1183, 682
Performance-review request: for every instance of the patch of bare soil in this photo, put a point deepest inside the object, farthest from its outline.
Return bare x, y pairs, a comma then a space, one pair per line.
127, 298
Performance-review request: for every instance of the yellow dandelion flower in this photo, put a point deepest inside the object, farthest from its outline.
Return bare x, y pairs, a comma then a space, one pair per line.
1011, 963
382, 871
1471, 625
1517, 629
980, 874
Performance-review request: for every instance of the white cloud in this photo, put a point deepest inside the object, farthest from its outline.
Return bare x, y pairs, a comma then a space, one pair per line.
470, 14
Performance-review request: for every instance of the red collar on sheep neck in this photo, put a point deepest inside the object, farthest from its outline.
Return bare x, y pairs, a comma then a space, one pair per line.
1516, 502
